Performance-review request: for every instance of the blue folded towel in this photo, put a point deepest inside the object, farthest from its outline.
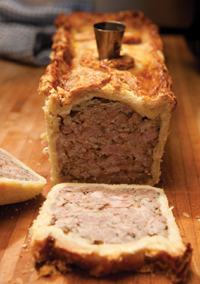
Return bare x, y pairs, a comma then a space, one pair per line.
25, 31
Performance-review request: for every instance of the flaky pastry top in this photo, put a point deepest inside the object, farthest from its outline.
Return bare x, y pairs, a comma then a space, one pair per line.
75, 68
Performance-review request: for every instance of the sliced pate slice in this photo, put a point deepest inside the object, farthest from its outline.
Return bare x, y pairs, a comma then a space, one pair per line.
17, 181
109, 228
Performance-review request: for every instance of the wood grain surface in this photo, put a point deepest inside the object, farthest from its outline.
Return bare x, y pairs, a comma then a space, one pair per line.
21, 125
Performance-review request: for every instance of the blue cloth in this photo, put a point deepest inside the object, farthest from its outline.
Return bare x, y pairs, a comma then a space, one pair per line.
26, 31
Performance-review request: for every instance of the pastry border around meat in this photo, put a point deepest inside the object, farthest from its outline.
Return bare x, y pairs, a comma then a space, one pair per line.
18, 182
166, 254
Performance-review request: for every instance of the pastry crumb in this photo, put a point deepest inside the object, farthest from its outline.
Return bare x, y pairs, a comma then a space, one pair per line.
24, 271
186, 215
45, 150
18, 281
24, 246
46, 270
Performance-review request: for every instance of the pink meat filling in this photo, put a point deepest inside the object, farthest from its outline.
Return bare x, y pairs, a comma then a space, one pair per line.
106, 142
12, 170
115, 216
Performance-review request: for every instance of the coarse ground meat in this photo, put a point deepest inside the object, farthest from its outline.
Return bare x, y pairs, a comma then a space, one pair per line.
106, 142
102, 215
9, 168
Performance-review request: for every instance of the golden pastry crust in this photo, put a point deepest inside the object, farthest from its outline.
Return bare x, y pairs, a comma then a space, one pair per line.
139, 78
18, 182
70, 50
54, 240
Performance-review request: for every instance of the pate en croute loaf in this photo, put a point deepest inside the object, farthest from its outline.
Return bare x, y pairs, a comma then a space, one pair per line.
107, 120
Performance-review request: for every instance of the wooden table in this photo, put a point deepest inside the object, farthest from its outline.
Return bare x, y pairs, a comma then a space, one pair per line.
22, 123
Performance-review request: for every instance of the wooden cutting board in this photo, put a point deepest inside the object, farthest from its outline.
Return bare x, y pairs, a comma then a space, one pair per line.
21, 125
